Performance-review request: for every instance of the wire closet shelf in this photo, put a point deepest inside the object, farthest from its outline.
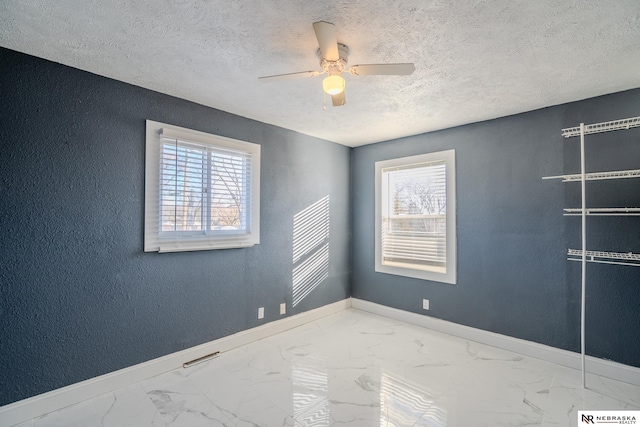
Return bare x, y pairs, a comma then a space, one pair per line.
617, 258
603, 212
583, 255
597, 176
621, 124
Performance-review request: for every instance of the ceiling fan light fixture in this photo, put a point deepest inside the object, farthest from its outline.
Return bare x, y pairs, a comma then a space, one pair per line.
334, 84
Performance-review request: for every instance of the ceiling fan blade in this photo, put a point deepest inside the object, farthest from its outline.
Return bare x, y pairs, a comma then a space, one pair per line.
382, 69
326, 35
338, 100
289, 76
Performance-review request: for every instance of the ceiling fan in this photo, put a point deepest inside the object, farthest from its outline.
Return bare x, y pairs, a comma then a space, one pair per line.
333, 60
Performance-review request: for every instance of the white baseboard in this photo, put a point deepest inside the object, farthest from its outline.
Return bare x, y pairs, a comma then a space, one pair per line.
593, 365
42, 404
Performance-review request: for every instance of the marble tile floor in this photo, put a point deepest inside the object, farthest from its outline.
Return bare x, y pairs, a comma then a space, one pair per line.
355, 369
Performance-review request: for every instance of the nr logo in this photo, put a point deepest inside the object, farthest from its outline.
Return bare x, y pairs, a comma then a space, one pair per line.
587, 419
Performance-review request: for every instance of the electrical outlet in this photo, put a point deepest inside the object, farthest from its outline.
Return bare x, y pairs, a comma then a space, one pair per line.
261, 313
425, 304
283, 308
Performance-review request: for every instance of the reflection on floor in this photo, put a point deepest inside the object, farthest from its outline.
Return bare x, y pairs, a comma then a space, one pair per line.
355, 369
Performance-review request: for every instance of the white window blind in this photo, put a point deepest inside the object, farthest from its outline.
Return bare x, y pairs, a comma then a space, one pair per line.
414, 220
202, 191
415, 216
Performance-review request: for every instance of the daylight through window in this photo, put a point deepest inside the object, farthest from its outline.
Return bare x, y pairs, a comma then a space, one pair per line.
205, 194
416, 216
194, 177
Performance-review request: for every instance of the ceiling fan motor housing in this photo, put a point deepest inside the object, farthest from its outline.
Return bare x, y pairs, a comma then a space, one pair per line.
338, 66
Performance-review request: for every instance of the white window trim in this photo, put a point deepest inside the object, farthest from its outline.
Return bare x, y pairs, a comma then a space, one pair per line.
153, 242
450, 275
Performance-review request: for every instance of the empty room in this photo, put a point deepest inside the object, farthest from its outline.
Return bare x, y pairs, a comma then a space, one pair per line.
332, 213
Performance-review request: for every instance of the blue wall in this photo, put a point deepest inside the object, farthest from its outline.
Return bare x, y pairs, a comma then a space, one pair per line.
79, 297
513, 277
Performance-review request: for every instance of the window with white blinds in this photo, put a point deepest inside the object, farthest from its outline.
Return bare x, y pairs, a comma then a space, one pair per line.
415, 216
202, 191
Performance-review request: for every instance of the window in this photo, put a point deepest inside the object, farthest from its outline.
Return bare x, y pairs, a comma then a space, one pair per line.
416, 217
202, 191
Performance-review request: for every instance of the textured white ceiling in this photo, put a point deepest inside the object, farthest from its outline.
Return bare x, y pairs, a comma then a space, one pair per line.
475, 59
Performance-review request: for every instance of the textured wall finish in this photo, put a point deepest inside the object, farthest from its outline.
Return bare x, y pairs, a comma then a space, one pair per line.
513, 276
78, 296
475, 60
